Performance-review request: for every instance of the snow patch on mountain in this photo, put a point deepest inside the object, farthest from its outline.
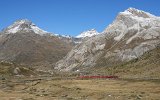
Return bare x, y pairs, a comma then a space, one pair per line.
89, 33
38, 30
14, 30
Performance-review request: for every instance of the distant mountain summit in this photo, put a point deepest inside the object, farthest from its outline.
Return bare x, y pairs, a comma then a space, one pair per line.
24, 25
88, 33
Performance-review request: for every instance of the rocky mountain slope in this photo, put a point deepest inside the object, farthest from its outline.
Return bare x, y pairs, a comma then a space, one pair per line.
25, 43
131, 34
146, 66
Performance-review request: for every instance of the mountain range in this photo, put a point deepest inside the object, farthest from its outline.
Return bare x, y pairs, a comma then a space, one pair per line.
133, 33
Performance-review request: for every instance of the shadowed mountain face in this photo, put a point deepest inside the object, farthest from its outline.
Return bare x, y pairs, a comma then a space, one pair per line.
131, 34
25, 43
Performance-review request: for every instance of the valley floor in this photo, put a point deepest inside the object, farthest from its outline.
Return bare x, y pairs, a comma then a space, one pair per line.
76, 89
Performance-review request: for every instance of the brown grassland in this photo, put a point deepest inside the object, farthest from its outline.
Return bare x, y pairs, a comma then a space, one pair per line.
78, 89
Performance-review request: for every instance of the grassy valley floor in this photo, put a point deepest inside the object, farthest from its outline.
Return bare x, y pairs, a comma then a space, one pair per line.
76, 89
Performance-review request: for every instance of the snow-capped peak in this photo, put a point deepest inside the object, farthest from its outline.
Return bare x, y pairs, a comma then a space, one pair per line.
24, 25
139, 13
132, 19
89, 33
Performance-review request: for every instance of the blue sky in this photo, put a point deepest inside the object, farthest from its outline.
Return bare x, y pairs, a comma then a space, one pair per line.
70, 16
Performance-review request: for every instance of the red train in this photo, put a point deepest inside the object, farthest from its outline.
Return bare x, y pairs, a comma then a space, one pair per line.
96, 77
